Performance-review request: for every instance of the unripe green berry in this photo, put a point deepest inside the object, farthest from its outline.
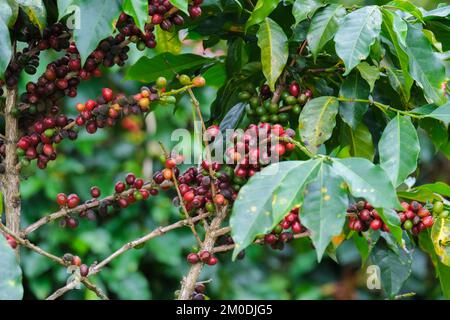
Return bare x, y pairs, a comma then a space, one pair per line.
161, 82
184, 79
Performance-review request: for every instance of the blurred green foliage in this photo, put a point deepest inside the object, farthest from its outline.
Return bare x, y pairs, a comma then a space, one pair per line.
156, 270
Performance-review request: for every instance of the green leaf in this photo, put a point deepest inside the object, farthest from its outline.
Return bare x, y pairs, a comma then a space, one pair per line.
408, 7
323, 27
168, 41
165, 65
262, 10
274, 50
437, 13
215, 76
305, 9
438, 187
367, 181
442, 271
232, 117
357, 33
96, 24
353, 87
436, 131
10, 273
442, 113
432, 39
9, 11
5, 46
324, 208
267, 197
369, 73
181, 4
425, 66
63, 8
440, 235
396, 29
35, 10
360, 141
395, 267
138, 10
391, 218
317, 121
399, 149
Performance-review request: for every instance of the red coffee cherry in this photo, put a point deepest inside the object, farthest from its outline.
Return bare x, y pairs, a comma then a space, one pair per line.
193, 258
119, 187
84, 270
95, 192
212, 261
107, 94
61, 199
72, 201
76, 261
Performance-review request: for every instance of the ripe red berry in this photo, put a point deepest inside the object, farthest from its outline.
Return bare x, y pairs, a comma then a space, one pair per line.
428, 221
47, 149
423, 212
376, 224
270, 238
72, 222
296, 227
167, 174
130, 178
364, 215
90, 105
157, 18
61, 199
195, 12
107, 94
204, 256
76, 261
123, 203
119, 187
95, 192
219, 199
193, 258
73, 200
138, 183
23, 143
84, 270
11, 241
294, 89
212, 261
170, 163
189, 196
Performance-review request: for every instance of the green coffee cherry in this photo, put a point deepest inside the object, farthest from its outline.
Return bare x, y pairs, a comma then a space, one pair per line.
274, 118
273, 108
438, 207
296, 109
244, 96
260, 111
408, 225
302, 99
254, 102
264, 118
291, 100
445, 213
184, 79
161, 82
283, 117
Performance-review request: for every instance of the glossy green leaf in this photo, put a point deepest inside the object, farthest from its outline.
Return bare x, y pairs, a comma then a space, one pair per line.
262, 202
356, 34
9, 11
167, 41
360, 141
324, 208
367, 181
96, 23
10, 273
369, 73
432, 38
425, 67
317, 121
396, 29
5, 46
181, 4
408, 7
232, 117
436, 130
35, 10
391, 218
399, 149
440, 235
440, 12
305, 9
274, 50
323, 27
64, 8
138, 10
395, 267
353, 87
442, 113
438, 187
165, 64
262, 10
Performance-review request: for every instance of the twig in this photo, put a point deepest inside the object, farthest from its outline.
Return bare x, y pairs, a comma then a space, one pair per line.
99, 292
61, 291
155, 233
66, 211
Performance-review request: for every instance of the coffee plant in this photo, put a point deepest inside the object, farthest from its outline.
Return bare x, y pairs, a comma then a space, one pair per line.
313, 133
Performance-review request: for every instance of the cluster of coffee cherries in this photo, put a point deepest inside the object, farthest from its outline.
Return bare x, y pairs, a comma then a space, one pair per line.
195, 186
253, 149
127, 192
261, 107
284, 231
72, 260
415, 218
203, 256
11, 241
198, 294
363, 216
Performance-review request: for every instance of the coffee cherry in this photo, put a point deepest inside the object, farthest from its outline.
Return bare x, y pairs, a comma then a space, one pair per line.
376, 224
428, 221
211, 261
130, 178
84, 270
61, 199
95, 192
407, 225
438, 207
205, 256
294, 89
11, 241
184, 79
189, 196
167, 174
107, 94
170, 163
198, 81
76, 261
72, 201
200, 288
161, 82
219, 199
194, 11
193, 258
119, 187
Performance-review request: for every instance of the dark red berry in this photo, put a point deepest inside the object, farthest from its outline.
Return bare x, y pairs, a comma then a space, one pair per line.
95, 192
61, 199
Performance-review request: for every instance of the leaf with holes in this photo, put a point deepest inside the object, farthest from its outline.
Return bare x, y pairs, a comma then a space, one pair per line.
356, 34
324, 208
274, 50
317, 121
265, 199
